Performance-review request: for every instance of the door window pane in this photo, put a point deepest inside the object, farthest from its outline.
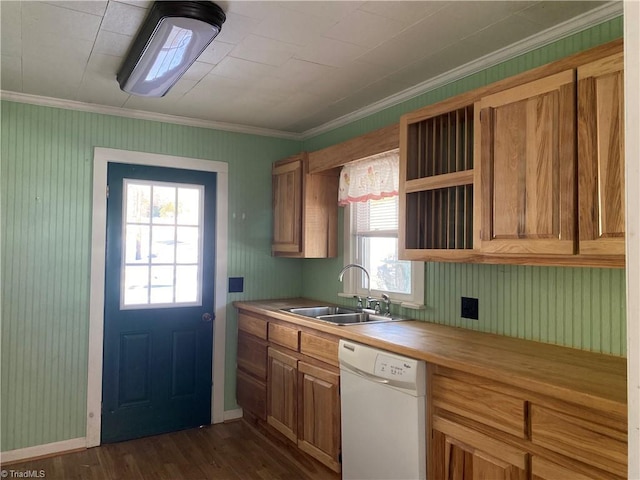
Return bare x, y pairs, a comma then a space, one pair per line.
136, 244
164, 205
162, 283
186, 283
162, 258
136, 285
188, 206
163, 244
138, 203
187, 245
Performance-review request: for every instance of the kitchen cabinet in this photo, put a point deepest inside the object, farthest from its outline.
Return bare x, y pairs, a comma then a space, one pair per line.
537, 177
464, 454
305, 210
601, 156
251, 384
282, 389
513, 409
526, 168
481, 428
436, 200
319, 413
288, 381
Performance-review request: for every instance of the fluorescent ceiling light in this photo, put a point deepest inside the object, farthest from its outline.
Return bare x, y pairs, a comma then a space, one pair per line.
171, 38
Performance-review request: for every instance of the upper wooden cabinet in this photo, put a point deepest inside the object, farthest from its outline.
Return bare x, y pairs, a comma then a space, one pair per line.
536, 178
305, 210
601, 156
437, 197
526, 167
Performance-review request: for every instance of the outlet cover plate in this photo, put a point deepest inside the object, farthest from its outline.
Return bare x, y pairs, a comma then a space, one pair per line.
469, 308
236, 284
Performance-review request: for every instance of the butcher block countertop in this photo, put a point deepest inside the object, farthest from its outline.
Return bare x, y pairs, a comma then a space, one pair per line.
585, 378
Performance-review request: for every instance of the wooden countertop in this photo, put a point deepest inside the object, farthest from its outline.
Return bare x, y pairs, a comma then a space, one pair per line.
586, 378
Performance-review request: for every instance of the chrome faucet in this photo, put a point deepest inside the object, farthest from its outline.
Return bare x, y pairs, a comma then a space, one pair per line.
355, 265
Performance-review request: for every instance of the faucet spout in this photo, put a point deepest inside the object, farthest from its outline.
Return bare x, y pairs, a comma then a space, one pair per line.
355, 265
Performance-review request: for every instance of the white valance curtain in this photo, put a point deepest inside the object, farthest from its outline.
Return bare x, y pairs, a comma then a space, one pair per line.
372, 178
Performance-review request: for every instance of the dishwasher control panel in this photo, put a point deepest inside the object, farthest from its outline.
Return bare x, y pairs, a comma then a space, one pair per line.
379, 366
393, 368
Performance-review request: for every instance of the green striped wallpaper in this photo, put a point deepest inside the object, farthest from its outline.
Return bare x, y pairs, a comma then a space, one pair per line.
578, 307
46, 172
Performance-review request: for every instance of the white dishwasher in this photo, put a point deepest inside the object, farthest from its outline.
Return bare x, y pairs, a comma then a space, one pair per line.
383, 407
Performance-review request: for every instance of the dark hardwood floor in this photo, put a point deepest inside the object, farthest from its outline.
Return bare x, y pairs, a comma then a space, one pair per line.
229, 451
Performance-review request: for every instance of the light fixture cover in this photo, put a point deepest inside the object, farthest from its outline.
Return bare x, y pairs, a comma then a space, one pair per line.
171, 38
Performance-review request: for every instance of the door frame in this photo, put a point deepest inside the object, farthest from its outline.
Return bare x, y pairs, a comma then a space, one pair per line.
101, 157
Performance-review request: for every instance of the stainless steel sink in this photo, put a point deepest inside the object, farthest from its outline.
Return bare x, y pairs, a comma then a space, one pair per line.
318, 311
341, 315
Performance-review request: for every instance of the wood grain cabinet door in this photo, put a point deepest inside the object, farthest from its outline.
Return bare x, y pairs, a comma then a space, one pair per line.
460, 453
601, 156
287, 177
526, 168
319, 414
282, 388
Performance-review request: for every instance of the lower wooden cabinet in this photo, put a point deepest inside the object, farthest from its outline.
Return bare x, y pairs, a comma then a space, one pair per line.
251, 379
282, 391
460, 453
303, 404
319, 413
484, 429
288, 379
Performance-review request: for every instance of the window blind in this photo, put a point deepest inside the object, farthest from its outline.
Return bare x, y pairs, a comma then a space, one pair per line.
377, 217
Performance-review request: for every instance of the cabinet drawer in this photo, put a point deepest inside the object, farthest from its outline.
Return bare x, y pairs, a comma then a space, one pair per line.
590, 438
252, 355
251, 394
285, 336
496, 409
322, 348
253, 325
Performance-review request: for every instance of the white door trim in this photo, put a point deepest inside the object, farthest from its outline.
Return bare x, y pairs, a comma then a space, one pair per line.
101, 157
632, 166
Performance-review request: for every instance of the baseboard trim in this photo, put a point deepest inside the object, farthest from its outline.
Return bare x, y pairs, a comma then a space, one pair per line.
232, 414
45, 450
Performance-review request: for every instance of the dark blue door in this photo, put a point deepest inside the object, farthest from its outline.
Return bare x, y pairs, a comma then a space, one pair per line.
158, 332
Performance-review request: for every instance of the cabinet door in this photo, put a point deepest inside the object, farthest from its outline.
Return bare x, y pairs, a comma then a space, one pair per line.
460, 453
282, 388
526, 171
251, 394
287, 207
601, 156
543, 469
252, 355
319, 409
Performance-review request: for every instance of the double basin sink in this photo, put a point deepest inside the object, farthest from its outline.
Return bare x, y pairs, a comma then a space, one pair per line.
341, 315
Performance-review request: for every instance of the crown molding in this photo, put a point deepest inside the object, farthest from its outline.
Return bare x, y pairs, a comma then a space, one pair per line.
594, 17
582, 22
142, 115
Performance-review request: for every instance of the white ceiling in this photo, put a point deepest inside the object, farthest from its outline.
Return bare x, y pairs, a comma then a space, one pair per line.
291, 66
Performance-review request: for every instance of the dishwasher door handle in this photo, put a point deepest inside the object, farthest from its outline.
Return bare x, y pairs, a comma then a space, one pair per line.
366, 375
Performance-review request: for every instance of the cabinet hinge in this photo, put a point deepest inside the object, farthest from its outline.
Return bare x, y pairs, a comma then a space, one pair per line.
107, 191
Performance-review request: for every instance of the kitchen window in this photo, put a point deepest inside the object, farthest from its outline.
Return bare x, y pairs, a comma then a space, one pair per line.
369, 193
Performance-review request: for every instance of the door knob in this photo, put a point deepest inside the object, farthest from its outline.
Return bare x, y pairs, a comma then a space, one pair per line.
207, 317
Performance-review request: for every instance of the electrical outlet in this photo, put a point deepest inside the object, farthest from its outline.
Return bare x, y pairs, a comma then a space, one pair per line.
236, 284
469, 308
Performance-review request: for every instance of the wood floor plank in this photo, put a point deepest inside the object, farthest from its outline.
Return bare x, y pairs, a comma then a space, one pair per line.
228, 451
